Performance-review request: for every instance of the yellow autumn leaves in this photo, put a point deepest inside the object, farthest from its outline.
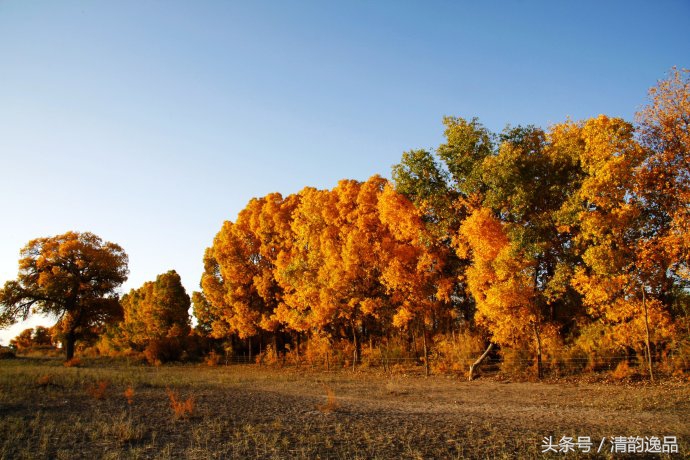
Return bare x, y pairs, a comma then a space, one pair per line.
529, 237
324, 261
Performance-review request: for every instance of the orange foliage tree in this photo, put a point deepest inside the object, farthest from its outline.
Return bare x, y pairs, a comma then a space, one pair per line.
30, 338
331, 275
72, 276
238, 283
320, 263
415, 272
619, 277
156, 316
531, 235
662, 180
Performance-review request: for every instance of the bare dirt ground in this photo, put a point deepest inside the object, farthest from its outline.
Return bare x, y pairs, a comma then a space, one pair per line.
246, 411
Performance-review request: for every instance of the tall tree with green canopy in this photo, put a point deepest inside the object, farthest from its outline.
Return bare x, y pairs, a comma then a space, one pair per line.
203, 312
74, 277
440, 184
525, 185
445, 186
423, 181
468, 144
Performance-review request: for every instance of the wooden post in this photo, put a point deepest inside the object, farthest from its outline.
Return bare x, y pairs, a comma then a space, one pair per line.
426, 351
355, 354
646, 327
540, 370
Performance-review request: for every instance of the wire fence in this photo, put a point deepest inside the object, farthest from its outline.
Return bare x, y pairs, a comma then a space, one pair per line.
624, 365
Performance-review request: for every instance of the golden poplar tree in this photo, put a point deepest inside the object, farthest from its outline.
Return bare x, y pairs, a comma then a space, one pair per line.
157, 311
415, 268
73, 277
616, 277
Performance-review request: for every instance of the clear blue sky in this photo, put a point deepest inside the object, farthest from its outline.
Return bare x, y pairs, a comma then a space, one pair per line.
150, 123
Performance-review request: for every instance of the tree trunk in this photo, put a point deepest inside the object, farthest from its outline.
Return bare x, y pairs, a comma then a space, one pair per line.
426, 351
249, 348
384, 357
297, 347
647, 339
70, 341
72, 323
540, 370
479, 361
535, 326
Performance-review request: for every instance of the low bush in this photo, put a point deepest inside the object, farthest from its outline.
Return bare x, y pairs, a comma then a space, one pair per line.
164, 350
7, 353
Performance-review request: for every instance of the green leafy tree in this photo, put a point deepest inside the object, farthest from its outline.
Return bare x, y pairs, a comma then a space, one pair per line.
468, 144
525, 186
445, 187
203, 312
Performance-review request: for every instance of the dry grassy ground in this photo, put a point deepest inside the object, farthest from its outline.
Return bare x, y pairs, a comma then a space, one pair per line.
241, 411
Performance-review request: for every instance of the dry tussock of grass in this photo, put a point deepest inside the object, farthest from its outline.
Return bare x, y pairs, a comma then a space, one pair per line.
98, 390
74, 362
181, 409
212, 359
45, 380
395, 387
129, 395
125, 430
331, 404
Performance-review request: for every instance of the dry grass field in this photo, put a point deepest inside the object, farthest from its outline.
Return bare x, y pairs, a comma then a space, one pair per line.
106, 409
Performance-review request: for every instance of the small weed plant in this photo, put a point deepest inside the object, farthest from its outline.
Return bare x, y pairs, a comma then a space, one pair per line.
212, 359
331, 404
129, 395
181, 409
45, 380
74, 362
98, 390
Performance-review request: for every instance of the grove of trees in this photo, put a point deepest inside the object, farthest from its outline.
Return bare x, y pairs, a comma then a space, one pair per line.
538, 241
30, 339
552, 246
